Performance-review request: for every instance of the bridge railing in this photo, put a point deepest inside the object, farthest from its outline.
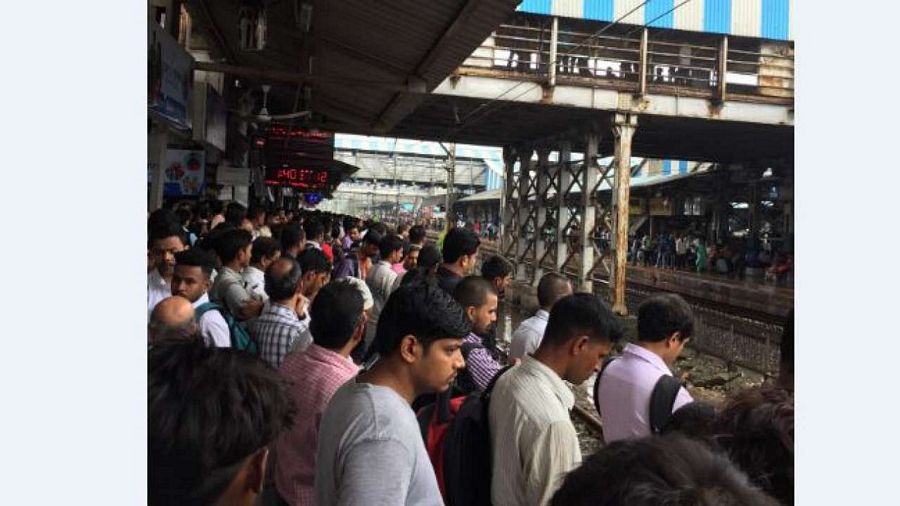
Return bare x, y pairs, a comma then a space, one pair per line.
640, 60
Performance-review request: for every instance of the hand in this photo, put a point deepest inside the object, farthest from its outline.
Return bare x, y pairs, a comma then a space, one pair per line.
516, 361
301, 307
251, 308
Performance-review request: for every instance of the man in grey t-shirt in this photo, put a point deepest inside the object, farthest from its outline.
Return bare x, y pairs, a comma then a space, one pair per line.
370, 450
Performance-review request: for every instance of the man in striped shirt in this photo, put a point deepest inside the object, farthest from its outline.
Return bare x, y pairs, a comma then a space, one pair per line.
478, 298
284, 319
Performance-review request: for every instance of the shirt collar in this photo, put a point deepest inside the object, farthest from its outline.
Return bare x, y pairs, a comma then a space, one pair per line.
647, 356
559, 387
202, 300
542, 314
331, 357
281, 309
154, 278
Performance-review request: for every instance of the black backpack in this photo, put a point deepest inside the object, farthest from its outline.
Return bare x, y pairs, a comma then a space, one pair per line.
465, 445
661, 399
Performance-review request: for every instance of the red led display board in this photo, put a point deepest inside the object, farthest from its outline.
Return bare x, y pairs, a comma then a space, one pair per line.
303, 178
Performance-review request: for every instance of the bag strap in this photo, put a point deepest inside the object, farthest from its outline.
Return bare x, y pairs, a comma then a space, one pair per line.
661, 401
467, 348
606, 361
203, 308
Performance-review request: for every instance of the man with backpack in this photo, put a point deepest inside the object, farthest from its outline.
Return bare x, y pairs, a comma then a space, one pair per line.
626, 385
191, 280
369, 448
533, 441
234, 248
284, 319
478, 298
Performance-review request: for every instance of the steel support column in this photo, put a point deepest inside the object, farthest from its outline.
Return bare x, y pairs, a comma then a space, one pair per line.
623, 129
563, 214
544, 180
589, 175
506, 199
525, 241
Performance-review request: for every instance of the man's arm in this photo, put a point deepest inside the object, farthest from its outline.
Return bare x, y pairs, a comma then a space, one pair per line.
214, 329
375, 472
554, 453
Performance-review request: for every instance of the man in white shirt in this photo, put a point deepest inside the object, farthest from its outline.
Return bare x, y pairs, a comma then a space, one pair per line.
166, 239
381, 278
533, 441
665, 324
527, 338
190, 280
264, 252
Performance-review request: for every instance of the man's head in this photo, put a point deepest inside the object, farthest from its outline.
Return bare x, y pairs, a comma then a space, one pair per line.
338, 321
172, 319
391, 248
282, 280
235, 213
198, 452
291, 239
234, 247
665, 322
552, 287
478, 298
257, 216
314, 229
372, 243
403, 230
417, 235
658, 470
429, 258
191, 278
498, 271
580, 333
316, 270
421, 329
756, 429
165, 239
412, 257
461, 248
265, 250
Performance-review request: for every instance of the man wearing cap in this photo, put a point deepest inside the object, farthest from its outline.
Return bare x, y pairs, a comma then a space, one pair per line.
338, 324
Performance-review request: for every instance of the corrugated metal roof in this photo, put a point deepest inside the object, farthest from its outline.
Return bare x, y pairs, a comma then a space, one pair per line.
659, 14
775, 19
690, 16
622, 7
717, 16
746, 17
569, 8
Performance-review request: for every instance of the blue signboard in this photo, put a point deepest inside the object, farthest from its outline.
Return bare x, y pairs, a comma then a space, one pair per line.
169, 77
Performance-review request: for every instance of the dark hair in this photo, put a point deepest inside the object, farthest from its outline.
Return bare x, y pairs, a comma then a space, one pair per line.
422, 310
581, 314
756, 429
263, 247
388, 245
160, 219
379, 227
283, 285
429, 256
163, 230
660, 470
230, 243
661, 315
313, 260
196, 258
416, 234
184, 215
255, 212
473, 291
349, 223
459, 242
195, 447
335, 312
235, 213
335, 230
694, 419
291, 236
551, 288
373, 237
401, 228
496, 267
216, 206
313, 228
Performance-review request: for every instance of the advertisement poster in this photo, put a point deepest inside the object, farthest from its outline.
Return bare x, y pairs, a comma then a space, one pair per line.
170, 77
185, 171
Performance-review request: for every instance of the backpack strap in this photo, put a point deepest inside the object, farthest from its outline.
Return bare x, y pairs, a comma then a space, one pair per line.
606, 361
467, 348
661, 401
203, 308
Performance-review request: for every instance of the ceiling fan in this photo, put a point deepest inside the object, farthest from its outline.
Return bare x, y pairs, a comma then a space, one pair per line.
263, 115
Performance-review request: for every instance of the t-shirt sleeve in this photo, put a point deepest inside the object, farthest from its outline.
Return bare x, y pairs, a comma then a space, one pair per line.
235, 296
375, 472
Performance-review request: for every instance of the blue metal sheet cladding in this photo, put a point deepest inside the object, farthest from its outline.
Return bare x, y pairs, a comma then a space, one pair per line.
775, 19
667, 167
601, 10
535, 6
654, 9
717, 16
682, 166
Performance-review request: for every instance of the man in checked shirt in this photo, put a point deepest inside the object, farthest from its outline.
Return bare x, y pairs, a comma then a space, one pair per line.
478, 297
284, 320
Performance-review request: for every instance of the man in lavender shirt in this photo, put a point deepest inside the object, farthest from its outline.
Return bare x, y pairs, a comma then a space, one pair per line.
665, 324
478, 298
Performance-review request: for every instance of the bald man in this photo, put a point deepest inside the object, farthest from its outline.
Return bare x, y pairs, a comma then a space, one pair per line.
284, 320
172, 318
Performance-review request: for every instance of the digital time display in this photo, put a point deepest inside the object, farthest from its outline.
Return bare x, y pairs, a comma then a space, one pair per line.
304, 178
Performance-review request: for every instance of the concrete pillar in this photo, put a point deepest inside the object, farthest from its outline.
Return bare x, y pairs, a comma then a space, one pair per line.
623, 128
562, 214
590, 174
543, 182
158, 142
